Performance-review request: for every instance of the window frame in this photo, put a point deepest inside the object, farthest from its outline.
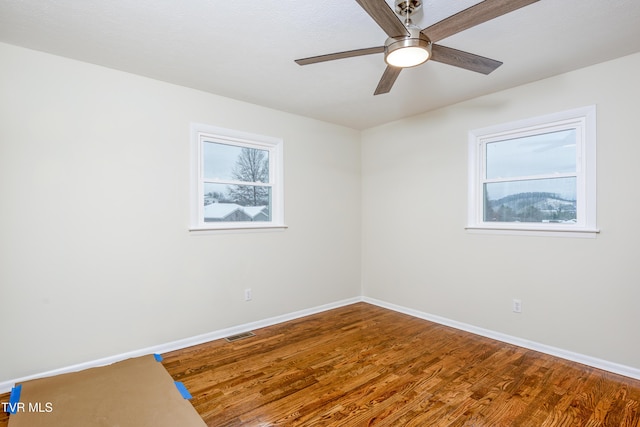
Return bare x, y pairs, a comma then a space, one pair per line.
584, 121
201, 134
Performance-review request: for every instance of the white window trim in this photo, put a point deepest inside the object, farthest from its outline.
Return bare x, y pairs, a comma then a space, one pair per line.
200, 133
582, 118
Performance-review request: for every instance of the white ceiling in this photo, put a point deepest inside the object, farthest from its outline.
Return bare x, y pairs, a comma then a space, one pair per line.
245, 50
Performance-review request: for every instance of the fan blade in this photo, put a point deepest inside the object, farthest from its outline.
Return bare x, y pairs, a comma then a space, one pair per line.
481, 12
461, 59
388, 79
340, 55
386, 18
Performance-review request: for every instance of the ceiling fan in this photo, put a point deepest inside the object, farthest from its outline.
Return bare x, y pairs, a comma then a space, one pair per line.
409, 46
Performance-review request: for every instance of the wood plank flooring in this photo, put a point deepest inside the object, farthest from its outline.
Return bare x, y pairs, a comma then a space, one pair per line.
363, 365
4, 417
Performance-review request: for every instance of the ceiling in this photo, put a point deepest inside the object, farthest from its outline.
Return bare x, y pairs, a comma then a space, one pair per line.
246, 51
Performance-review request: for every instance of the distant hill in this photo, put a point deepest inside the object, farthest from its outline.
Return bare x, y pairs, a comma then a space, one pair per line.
531, 207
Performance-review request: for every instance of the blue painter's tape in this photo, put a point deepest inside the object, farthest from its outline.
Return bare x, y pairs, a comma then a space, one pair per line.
158, 357
183, 390
14, 398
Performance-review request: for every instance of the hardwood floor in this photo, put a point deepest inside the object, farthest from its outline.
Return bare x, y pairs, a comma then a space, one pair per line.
4, 417
363, 365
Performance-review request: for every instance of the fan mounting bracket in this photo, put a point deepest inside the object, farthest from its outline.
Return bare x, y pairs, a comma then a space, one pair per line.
404, 7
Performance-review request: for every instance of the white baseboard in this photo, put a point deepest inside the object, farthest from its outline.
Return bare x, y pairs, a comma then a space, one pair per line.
616, 368
627, 371
6, 386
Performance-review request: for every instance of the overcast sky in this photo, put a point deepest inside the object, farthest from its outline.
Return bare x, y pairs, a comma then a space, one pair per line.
546, 154
549, 153
219, 160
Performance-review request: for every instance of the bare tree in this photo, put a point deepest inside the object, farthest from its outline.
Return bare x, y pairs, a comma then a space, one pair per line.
251, 166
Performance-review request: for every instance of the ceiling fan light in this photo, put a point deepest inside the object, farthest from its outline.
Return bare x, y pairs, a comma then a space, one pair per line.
407, 56
407, 51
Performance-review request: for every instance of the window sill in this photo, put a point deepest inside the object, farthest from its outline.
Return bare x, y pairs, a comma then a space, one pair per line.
236, 229
589, 233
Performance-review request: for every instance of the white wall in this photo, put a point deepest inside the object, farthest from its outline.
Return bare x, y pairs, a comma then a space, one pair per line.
96, 260
95, 256
580, 295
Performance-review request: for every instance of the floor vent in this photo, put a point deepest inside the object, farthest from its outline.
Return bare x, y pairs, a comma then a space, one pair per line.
239, 337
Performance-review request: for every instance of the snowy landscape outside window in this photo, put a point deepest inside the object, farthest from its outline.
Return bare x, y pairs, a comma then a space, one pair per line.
534, 175
236, 180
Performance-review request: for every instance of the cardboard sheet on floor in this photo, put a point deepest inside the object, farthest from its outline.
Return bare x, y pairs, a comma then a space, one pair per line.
136, 392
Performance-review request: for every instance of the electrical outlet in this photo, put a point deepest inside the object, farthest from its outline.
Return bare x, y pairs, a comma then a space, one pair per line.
517, 306
247, 294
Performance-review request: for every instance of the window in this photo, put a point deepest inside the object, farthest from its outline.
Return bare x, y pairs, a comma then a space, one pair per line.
236, 180
535, 176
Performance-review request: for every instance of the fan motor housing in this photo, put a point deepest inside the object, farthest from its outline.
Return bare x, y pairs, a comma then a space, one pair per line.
404, 7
